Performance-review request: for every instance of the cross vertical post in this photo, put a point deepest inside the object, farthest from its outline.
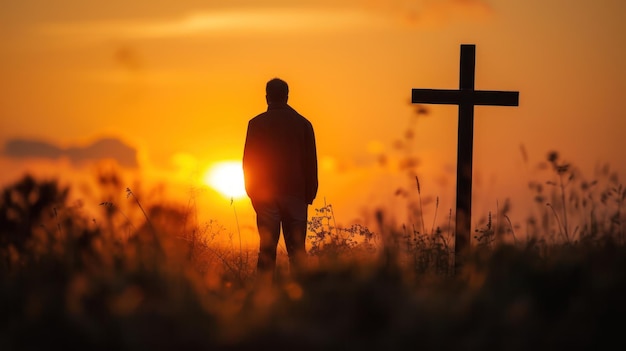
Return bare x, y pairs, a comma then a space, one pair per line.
466, 98
465, 151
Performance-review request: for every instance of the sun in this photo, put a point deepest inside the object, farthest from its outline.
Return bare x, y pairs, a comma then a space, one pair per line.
227, 178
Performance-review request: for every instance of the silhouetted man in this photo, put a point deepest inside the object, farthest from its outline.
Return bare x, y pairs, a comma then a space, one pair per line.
280, 171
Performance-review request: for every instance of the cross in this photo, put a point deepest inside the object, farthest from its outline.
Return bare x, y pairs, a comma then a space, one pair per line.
466, 98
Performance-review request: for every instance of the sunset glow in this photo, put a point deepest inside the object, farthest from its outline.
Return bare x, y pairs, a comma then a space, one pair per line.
176, 84
227, 178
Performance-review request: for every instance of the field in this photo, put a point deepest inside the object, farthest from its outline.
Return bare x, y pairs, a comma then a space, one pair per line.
68, 281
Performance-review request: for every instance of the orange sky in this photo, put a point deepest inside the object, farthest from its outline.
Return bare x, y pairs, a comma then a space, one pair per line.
178, 81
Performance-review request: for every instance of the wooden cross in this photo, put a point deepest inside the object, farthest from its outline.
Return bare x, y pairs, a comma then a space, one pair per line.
466, 97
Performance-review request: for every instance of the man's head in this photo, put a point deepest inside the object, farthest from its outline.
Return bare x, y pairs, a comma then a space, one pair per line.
276, 91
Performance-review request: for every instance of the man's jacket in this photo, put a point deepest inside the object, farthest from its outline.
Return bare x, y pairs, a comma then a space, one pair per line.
280, 156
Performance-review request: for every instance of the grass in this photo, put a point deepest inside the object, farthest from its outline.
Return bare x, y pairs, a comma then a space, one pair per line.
555, 281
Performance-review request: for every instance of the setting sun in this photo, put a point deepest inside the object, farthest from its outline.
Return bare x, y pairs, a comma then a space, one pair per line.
227, 178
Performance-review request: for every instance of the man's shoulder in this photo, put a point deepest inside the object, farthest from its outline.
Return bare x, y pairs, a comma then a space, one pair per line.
299, 116
277, 121
284, 112
258, 117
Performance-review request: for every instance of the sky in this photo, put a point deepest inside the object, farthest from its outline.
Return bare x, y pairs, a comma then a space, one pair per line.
166, 88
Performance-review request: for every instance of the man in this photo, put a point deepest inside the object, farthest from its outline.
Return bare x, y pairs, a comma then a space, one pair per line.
280, 172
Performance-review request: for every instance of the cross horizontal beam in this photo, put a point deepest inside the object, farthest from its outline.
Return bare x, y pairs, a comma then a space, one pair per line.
465, 97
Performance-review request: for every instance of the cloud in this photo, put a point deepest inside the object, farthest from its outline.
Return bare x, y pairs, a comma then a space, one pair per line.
222, 22
106, 148
255, 19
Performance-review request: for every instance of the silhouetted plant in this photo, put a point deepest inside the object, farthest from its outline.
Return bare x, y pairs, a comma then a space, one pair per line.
26, 206
331, 242
579, 209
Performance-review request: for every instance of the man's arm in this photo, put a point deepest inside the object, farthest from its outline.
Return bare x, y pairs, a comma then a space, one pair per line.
248, 160
311, 166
